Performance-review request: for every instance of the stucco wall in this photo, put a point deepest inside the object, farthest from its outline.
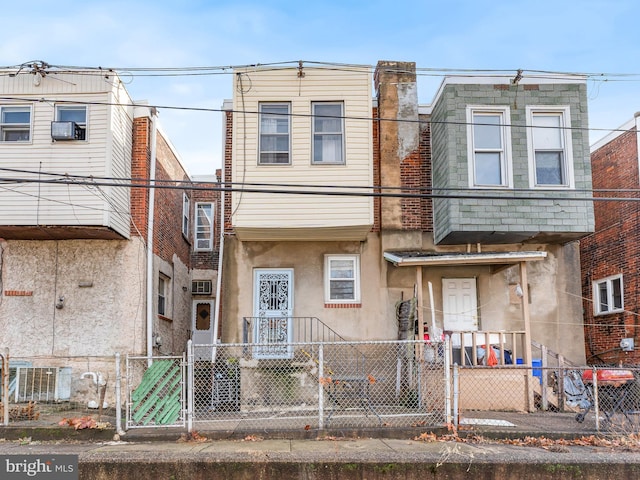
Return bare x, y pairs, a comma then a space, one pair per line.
372, 320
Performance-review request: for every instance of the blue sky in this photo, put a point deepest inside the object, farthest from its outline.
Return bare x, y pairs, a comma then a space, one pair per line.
589, 36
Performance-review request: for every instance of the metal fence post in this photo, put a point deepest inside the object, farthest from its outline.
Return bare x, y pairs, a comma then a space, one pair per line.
5, 386
456, 394
596, 402
447, 380
119, 430
320, 386
190, 386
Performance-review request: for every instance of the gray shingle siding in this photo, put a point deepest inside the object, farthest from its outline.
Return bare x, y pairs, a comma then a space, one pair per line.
450, 163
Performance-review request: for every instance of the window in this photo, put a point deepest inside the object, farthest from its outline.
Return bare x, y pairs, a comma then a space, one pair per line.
15, 124
489, 140
163, 288
607, 295
185, 215
327, 133
549, 142
342, 278
274, 134
201, 287
204, 226
76, 114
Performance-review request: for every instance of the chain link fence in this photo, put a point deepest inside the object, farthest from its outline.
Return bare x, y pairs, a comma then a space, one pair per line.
250, 387
606, 399
156, 392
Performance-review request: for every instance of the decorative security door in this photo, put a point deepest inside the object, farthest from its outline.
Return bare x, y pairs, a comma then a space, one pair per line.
273, 308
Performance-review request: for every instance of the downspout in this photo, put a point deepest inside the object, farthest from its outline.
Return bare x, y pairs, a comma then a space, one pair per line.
216, 321
150, 224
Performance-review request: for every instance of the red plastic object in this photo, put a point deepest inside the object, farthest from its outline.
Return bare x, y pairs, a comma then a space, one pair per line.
609, 376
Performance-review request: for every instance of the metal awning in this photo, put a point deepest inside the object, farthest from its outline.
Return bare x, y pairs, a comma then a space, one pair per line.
424, 258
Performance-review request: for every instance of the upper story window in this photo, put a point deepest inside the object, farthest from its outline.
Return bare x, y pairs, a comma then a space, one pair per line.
15, 124
274, 148
342, 278
76, 114
550, 151
328, 144
607, 295
204, 226
185, 215
489, 143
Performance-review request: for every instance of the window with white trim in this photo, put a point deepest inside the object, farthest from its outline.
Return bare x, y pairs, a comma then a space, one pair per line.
608, 295
163, 293
15, 123
328, 137
76, 114
489, 144
549, 142
342, 278
204, 226
275, 145
185, 215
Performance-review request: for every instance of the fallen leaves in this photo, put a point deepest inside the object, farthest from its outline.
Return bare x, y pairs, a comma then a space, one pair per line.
628, 442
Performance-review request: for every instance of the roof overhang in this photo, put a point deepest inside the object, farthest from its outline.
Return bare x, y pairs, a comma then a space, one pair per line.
414, 259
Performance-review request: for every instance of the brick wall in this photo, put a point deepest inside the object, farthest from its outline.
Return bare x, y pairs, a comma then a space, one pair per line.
140, 170
208, 192
613, 249
168, 206
228, 149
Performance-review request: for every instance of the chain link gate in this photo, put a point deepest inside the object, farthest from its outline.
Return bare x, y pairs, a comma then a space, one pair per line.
317, 385
156, 393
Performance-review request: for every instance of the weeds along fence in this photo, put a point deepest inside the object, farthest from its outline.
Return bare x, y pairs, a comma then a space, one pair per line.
317, 385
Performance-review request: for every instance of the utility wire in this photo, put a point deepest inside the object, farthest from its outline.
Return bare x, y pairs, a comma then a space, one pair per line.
301, 115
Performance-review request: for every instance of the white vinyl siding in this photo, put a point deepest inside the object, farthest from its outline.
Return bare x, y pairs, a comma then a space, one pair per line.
106, 153
291, 213
550, 149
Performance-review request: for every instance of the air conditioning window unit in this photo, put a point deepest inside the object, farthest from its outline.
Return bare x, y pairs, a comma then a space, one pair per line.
201, 287
66, 131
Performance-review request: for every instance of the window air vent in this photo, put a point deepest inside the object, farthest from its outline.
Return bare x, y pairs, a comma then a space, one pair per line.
66, 131
201, 287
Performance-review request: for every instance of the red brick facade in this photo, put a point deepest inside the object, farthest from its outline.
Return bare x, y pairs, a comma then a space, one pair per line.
208, 193
140, 171
613, 249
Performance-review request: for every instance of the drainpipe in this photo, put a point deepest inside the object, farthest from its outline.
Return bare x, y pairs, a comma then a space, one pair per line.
216, 317
150, 223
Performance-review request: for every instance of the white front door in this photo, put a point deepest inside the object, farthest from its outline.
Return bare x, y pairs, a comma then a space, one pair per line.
202, 322
460, 307
272, 311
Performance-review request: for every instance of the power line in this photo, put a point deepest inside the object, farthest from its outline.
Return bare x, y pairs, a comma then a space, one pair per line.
302, 115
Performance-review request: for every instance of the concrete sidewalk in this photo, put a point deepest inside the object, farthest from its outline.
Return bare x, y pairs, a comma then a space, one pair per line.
379, 453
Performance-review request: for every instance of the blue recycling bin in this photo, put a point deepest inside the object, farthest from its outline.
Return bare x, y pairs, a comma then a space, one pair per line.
536, 362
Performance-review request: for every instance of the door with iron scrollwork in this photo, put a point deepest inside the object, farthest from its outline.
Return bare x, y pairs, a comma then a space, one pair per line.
272, 310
